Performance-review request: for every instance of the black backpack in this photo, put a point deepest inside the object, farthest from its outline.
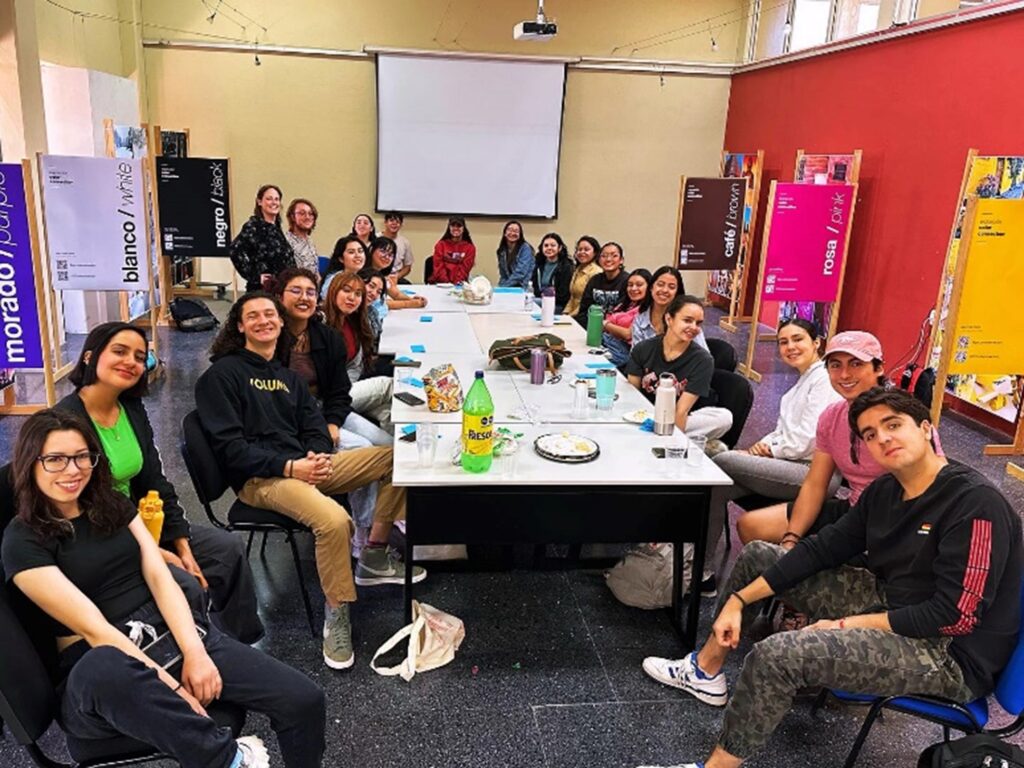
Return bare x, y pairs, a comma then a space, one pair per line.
192, 315
920, 382
981, 750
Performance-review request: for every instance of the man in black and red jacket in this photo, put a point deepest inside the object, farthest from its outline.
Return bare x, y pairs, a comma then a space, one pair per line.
936, 611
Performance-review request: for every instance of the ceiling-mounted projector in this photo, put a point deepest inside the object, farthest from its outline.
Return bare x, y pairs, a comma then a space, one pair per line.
539, 29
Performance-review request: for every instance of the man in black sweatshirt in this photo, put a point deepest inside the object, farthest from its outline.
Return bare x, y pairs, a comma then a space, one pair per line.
271, 440
936, 612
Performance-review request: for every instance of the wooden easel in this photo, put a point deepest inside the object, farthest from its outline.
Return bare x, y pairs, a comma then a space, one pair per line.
739, 280
10, 406
1015, 448
852, 177
747, 367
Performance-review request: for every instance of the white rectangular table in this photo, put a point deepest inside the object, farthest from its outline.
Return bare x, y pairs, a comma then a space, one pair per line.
624, 496
499, 383
552, 403
442, 299
447, 333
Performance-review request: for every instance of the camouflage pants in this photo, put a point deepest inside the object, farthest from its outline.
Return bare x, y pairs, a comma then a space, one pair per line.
859, 660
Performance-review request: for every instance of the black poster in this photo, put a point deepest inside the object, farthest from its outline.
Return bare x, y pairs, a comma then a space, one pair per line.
195, 207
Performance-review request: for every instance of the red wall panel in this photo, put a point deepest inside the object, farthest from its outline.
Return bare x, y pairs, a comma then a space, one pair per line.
915, 105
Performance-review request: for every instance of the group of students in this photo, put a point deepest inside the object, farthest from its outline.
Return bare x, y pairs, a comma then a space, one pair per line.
296, 414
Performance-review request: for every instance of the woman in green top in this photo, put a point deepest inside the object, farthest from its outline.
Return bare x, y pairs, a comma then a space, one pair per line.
110, 381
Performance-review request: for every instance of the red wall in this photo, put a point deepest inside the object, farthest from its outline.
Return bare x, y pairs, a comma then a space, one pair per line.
915, 105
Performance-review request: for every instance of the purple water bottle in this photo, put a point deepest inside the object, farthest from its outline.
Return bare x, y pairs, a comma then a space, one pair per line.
538, 362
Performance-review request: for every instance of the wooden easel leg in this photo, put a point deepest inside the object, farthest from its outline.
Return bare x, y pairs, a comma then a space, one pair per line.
1015, 471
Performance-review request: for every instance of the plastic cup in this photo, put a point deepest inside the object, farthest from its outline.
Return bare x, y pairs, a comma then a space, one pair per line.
605, 390
675, 459
695, 453
426, 443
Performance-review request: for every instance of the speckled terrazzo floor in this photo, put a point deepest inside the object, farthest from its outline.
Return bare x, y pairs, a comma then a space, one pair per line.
549, 675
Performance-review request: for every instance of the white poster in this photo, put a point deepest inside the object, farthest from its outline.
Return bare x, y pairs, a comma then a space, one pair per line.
95, 223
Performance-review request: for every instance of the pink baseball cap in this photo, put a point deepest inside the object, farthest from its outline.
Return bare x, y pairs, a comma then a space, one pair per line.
862, 345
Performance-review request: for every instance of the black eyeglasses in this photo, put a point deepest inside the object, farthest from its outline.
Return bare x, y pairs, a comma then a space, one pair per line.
58, 462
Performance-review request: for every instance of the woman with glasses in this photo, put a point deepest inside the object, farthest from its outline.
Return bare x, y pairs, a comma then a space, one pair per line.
515, 256
260, 250
319, 356
381, 261
302, 216
134, 659
110, 382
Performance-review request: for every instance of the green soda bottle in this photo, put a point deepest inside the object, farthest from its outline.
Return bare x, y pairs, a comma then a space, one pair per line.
477, 427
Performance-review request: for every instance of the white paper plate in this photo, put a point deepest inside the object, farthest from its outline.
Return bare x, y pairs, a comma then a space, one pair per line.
566, 447
638, 416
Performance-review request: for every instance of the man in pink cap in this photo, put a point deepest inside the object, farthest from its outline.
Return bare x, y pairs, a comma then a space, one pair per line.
853, 360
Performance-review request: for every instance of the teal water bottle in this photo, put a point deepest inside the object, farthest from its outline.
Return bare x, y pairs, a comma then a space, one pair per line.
595, 325
478, 427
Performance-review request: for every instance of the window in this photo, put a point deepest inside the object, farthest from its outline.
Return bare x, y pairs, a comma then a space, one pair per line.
855, 17
810, 24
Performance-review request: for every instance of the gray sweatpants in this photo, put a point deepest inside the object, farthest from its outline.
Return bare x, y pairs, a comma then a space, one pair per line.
774, 478
860, 660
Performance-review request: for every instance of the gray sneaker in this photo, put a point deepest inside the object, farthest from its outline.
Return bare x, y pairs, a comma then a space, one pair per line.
378, 565
338, 653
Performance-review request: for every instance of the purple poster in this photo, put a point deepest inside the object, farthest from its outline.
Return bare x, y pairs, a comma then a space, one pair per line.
807, 242
19, 318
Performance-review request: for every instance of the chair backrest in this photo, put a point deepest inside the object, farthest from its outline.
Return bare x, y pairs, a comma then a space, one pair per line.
1010, 688
201, 463
734, 393
428, 268
724, 354
28, 702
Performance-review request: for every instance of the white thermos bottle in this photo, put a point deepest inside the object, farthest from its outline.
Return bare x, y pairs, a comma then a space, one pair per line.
665, 405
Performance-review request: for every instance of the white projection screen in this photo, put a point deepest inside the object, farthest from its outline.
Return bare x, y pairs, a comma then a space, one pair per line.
468, 135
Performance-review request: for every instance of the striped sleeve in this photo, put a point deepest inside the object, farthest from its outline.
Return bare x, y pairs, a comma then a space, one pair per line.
971, 557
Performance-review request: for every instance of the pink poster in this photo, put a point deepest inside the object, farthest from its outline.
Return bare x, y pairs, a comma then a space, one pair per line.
806, 242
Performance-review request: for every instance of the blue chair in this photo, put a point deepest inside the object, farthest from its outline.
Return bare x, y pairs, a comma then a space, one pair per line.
969, 718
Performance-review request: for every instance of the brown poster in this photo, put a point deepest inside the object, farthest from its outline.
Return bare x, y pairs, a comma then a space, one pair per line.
710, 223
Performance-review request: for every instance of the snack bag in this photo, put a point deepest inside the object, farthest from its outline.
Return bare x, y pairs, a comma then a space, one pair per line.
444, 392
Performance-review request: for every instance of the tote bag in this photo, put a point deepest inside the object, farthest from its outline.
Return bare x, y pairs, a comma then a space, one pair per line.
434, 637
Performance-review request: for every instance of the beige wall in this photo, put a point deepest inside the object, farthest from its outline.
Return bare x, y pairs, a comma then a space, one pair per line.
77, 41
309, 124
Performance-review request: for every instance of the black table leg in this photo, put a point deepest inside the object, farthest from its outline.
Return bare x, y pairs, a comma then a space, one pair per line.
699, 554
410, 514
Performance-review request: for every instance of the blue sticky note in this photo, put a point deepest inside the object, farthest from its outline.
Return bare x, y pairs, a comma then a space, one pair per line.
408, 429
417, 348
600, 365
407, 292
508, 289
426, 318
412, 380
536, 316
582, 375
403, 359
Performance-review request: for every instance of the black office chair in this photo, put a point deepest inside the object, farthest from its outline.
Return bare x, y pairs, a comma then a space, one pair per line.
723, 353
29, 705
210, 485
734, 393
428, 268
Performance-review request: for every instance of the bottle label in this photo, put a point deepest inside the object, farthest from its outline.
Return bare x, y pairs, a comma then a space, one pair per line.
477, 434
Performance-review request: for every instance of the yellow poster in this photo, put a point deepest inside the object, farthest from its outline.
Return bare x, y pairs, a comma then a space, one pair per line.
989, 334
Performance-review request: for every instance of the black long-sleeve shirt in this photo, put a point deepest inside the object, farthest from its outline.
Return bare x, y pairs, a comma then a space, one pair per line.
260, 248
600, 290
948, 562
258, 416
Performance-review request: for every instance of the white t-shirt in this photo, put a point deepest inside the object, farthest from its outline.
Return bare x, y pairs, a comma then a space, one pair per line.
403, 253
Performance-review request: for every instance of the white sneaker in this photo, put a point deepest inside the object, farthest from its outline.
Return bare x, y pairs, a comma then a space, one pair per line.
684, 674
254, 754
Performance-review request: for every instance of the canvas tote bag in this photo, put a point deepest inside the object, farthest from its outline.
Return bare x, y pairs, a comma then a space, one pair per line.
434, 637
